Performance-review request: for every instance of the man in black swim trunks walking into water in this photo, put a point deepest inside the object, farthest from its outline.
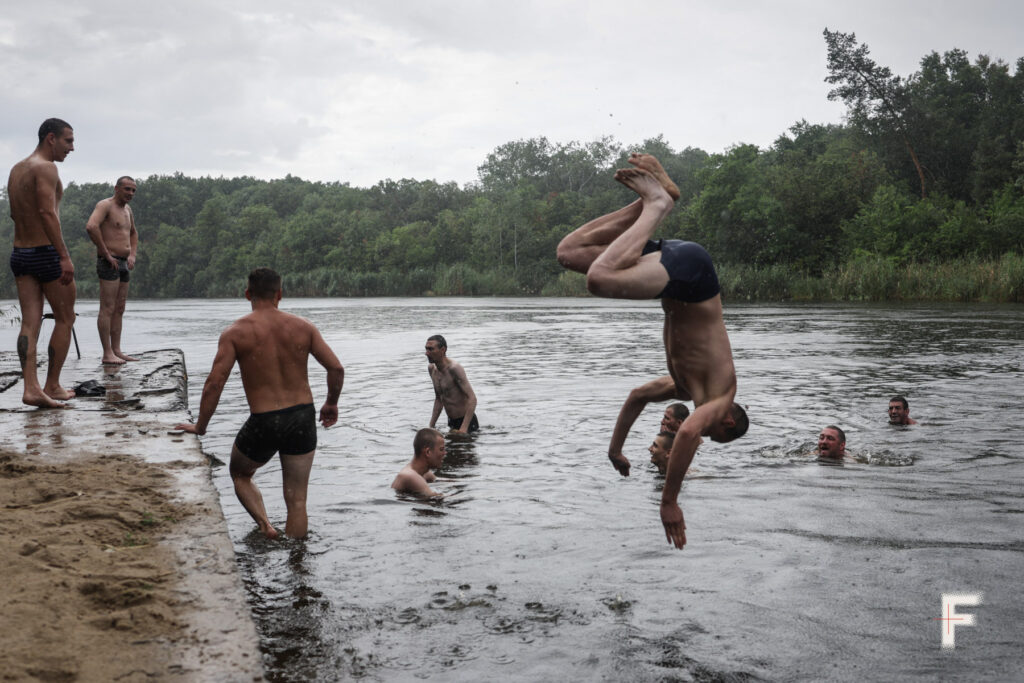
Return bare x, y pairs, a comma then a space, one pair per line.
621, 262
41, 263
272, 349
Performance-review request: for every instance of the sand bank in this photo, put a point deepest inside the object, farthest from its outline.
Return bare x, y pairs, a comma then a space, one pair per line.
113, 545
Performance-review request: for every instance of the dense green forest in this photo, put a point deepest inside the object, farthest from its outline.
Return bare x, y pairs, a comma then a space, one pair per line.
918, 195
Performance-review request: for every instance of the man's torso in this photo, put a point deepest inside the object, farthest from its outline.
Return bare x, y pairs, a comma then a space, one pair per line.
447, 387
116, 228
272, 350
22, 197
697, 349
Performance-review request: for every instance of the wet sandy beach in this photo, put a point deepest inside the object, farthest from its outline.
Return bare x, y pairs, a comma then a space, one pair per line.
113, 543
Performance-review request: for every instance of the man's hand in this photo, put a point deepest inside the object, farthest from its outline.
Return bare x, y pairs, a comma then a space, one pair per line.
328, 414
112, 261
620, 462
190, 428
67, 270
675, 528
130, 262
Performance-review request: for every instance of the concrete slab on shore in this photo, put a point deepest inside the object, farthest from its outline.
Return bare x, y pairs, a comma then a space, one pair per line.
213, 635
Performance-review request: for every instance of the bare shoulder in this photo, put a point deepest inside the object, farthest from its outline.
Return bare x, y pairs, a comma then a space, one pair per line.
296, 323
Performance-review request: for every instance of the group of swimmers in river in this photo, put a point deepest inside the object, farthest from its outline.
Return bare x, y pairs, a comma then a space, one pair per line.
271, 347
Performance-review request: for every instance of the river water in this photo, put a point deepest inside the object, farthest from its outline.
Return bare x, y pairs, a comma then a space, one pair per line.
543, 564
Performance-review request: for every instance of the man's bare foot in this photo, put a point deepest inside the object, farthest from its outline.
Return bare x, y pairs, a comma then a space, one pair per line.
649, 163
113, 360
269, 531
644, 184
41, 400
59, 393
124, 356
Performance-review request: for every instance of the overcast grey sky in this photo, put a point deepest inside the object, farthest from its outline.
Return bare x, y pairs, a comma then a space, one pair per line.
361, 91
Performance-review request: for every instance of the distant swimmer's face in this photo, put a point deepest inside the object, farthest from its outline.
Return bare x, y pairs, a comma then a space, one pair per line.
829, 445
659, 453
436, 453
63, 144
434, 351
897, 413
669, 422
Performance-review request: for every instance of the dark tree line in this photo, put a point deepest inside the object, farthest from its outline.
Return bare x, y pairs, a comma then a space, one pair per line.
926, 168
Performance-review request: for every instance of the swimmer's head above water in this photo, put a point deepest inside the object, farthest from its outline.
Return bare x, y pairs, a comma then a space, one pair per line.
832, 443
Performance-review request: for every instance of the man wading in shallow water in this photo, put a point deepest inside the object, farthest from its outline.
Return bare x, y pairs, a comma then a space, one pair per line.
621, 262
272, 349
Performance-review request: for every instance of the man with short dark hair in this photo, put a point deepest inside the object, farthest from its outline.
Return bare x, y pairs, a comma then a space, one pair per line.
621, 261
831, 443
428, 448
41, 262
111, 227
899, 412
452, 390
272, 349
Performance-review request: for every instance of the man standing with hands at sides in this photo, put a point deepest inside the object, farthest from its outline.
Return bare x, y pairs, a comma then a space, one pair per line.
451, 388
621, 261
41, 263
111, 227
428, 450
272, 349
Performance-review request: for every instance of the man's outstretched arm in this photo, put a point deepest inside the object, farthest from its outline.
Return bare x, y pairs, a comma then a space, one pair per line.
223, 362
661, 389
683, 449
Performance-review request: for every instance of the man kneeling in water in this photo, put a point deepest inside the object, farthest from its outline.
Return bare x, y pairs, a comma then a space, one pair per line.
620, 261
428, 450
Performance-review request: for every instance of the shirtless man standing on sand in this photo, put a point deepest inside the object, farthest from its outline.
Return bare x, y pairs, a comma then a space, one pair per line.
41, 262
451, 388
111, 227
272, 349
620, 261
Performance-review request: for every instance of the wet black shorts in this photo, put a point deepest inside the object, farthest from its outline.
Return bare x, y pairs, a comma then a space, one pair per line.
108, 272
42, 263
691, 275
456, 422
290, 431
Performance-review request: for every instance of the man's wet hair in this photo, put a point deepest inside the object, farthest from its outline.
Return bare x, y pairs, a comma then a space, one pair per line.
679, 411
671, 436
425, 438
739, 416
840, 432
906, 406
55, 126
439, 339
122, 179
264, 283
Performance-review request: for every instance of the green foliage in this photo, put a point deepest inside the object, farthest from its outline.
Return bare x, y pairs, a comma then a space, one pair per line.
927, 172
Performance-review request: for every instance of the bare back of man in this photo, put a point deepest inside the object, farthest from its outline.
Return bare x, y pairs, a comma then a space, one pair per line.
112, 228
41, 263
272, 349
